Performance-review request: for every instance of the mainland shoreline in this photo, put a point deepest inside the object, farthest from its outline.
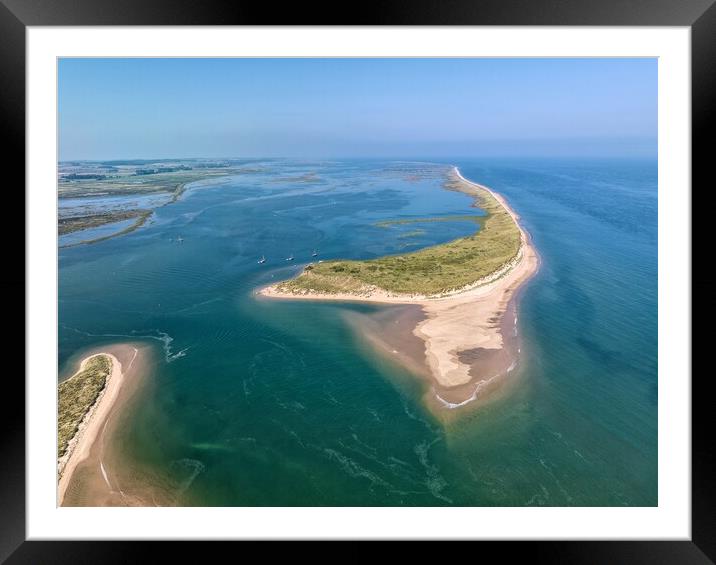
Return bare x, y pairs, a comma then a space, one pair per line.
468, 338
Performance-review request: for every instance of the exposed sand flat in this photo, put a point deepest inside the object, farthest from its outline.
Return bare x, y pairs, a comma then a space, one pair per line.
93, 423
471, 319
461, 321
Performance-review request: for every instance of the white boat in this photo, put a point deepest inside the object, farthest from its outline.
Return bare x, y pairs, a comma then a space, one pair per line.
262, 260
314, 254
290, 257
180, 239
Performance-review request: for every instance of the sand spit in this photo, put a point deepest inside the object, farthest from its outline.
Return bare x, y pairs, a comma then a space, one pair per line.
81, 452
461, 326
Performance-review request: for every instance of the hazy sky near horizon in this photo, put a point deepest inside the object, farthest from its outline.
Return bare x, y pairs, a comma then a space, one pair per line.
164, 108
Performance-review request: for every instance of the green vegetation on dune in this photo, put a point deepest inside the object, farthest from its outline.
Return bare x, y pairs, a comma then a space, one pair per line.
75, 397
430, 271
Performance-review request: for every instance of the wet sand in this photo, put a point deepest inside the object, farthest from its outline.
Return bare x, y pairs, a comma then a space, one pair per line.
390, 330
91, 474
470, 335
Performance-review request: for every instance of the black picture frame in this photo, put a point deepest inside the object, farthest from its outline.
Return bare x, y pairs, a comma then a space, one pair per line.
16, 15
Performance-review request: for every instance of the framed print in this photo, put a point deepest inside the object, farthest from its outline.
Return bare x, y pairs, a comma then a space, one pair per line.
427, 277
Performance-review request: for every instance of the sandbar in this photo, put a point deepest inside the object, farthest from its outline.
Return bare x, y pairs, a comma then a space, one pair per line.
94, 422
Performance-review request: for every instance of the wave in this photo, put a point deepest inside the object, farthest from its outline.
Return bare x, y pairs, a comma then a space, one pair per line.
475, 394
177, 355
161, 336
331, 398
435, 482
453, 405
352, 468
373, 412
166, 340
197, 305
193, 466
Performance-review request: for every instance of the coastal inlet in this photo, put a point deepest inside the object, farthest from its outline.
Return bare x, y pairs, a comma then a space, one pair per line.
246, 400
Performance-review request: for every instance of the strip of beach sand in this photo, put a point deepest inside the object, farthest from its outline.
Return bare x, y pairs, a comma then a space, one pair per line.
466, 332
94, 422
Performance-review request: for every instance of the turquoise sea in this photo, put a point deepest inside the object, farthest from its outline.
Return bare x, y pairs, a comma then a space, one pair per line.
256, 402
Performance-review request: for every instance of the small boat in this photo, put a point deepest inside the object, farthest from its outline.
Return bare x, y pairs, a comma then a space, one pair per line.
180, 239
262, 260
290, 257
314, 254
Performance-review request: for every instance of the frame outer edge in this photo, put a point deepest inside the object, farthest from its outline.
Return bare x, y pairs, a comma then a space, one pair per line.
12, 86
12, 283
703, 111
367, 12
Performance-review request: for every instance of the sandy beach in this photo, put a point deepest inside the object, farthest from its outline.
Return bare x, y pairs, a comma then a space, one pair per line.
94, 424
465, 332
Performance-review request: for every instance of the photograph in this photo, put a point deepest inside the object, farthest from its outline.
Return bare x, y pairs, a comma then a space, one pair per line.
420, 273
357, 281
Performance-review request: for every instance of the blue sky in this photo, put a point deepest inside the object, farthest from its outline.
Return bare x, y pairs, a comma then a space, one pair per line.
163, 108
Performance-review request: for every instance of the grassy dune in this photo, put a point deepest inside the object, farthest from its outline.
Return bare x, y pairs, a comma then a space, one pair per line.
434, 270
76, 395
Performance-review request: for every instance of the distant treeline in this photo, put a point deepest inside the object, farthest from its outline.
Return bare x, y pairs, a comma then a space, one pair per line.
129, 162
84, 176
202, 164
211, 165
161, 170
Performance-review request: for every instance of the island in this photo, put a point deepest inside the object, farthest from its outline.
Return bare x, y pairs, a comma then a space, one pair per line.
466, 289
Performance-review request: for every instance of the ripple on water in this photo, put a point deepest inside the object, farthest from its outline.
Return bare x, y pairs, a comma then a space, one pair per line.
352, 468
187, 470
435, 482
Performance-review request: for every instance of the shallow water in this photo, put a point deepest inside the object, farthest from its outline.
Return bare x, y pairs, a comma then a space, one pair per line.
258, 402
